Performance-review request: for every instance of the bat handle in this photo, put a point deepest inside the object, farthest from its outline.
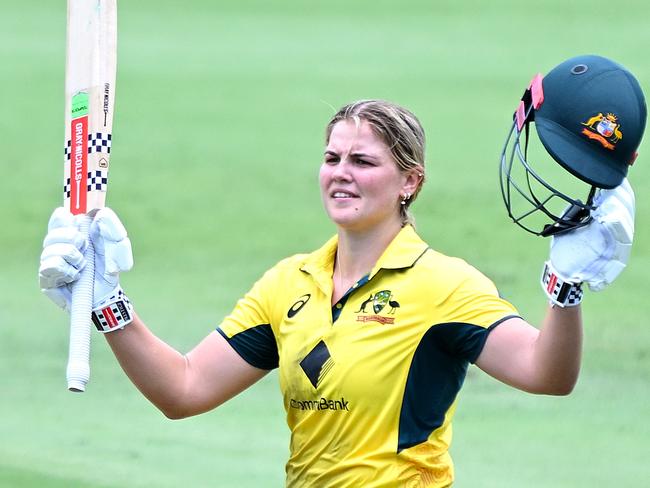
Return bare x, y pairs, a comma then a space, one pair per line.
78, 370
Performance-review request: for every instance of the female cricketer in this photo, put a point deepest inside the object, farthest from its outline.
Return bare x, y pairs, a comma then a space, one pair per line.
372, 334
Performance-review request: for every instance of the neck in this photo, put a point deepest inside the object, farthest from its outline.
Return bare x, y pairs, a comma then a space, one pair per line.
357, 254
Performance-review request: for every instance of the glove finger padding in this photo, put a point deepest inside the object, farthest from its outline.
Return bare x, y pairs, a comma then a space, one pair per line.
68, 253
111, 241
597, 253
113, 252
621, 196
61, 218
61, 296
66, 235
62, 257
616, 216
56, 271
118, 256
616, 211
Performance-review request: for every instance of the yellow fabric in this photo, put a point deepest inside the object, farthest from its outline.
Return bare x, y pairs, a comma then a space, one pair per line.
345, 418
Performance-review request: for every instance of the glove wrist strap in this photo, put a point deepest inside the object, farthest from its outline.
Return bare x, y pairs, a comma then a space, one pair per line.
559, 291
113, 313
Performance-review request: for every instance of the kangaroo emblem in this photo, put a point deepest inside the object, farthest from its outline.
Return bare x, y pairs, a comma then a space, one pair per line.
364, 305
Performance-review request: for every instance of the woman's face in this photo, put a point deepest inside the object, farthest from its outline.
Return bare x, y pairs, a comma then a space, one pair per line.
360, 182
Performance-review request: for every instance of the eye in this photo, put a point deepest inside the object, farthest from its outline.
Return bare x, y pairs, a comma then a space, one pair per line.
364, 162
331, 159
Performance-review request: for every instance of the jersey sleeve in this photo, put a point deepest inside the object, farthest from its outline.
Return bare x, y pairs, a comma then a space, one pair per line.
248, 328
475, 308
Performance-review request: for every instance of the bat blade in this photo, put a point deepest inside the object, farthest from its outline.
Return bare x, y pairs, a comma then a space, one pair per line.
91, 66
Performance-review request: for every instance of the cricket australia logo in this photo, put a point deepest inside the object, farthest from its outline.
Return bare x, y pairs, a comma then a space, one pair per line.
604, 129
380, 301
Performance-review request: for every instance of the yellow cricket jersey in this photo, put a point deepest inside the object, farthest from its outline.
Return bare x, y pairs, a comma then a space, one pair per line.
370, 384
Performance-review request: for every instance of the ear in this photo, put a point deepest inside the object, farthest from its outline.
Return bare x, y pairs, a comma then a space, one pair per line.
412, 182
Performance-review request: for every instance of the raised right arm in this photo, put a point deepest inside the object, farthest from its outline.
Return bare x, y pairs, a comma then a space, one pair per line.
179, 385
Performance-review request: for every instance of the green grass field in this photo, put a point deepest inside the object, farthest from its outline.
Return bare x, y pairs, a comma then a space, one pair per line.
218, 137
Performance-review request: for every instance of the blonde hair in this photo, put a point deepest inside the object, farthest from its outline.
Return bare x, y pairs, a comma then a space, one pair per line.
400, 130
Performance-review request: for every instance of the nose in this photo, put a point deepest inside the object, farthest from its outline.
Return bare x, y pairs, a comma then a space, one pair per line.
341, 172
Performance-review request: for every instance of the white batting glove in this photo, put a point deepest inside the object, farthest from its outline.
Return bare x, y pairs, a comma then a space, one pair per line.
596, 253
62, 260
113, 253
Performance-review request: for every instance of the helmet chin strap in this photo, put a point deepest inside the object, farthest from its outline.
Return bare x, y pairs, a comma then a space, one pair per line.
572, 218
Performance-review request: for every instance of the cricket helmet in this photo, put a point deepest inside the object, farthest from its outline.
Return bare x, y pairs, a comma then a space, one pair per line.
589, 114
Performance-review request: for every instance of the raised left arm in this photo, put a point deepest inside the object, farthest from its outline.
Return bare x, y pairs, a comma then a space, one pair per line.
547, 360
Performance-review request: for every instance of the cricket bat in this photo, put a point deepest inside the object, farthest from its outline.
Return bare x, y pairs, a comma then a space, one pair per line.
91, 65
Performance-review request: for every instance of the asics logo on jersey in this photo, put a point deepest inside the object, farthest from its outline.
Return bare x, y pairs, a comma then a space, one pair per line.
297, 307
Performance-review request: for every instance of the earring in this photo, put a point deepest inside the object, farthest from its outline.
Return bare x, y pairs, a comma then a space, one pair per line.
405, 198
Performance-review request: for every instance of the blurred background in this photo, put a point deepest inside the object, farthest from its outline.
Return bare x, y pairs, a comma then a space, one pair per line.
218, 136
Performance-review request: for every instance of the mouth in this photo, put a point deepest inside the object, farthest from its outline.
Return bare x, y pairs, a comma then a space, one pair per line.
342, 195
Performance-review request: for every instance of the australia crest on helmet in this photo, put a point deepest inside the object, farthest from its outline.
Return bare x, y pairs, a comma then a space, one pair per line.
604, 129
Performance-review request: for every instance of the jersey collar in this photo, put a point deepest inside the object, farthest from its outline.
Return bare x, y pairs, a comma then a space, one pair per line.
403, 252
